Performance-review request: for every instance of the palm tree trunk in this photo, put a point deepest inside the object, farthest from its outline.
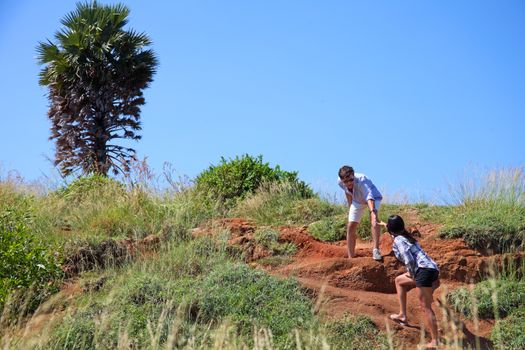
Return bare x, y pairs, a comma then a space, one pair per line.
101, 138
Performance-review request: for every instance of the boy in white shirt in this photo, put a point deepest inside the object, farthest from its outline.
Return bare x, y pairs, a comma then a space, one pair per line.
360, 193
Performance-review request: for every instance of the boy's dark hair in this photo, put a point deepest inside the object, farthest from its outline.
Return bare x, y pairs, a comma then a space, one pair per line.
345, 171
396, 227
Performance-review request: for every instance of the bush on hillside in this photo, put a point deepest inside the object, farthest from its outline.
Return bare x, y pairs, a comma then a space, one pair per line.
492, 297
510, 332
269, 239
25, 263
91, 186
330, 229
251, 297
234, 179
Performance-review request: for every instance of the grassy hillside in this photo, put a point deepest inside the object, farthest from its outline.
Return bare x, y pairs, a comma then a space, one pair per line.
186, 292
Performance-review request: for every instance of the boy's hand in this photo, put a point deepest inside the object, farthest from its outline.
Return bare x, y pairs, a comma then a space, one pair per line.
381, 223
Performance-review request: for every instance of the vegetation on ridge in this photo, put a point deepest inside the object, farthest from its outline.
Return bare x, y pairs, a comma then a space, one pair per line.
189, 291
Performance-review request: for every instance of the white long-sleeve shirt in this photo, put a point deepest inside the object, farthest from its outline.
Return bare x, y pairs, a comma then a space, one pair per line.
363, 189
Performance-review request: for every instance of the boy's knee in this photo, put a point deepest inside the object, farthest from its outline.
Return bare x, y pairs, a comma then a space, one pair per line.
352, 224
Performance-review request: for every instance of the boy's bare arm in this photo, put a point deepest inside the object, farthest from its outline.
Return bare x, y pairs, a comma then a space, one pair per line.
349, 198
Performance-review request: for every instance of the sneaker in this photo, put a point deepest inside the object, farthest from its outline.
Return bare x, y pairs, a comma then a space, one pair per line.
376, 255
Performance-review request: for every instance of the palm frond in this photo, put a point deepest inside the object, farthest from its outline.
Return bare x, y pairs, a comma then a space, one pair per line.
137, 40
47, 52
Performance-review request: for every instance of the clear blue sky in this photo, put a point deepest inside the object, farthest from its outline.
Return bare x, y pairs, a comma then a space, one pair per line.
409, 92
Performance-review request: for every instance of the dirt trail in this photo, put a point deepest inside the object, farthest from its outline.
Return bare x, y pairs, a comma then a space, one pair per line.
364, 286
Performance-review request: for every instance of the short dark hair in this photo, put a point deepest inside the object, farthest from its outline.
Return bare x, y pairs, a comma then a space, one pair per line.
345, 171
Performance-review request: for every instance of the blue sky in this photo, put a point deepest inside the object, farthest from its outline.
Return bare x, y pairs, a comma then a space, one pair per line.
410, 93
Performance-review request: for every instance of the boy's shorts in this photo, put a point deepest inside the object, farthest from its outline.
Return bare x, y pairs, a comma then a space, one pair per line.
356, 211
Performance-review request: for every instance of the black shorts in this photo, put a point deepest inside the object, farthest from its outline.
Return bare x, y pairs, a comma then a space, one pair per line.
425, 277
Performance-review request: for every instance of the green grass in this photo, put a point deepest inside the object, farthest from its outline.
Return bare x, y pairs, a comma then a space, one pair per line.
490, 214
436, 214
283, 204
198, 279
510, 332
333, 228
110, 210
355, 333
500, 298
39, 229
490, 299
195, 293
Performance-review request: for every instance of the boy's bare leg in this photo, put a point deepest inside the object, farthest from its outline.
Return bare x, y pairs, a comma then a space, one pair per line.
351, 229
376, 233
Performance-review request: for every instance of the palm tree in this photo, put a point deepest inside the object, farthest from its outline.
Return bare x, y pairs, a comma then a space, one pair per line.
95, 74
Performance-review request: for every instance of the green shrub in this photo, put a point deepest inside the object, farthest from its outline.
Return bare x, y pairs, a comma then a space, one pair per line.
251, 297
510, 332
142, 300
269, 239
25, 263
91, 186
355, 332
234, 179
493, 298
329, 229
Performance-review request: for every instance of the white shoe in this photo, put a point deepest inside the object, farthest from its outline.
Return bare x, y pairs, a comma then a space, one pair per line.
376, 255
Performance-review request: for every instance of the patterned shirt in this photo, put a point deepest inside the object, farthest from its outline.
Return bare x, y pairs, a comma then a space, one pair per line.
363, 190
412, 255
